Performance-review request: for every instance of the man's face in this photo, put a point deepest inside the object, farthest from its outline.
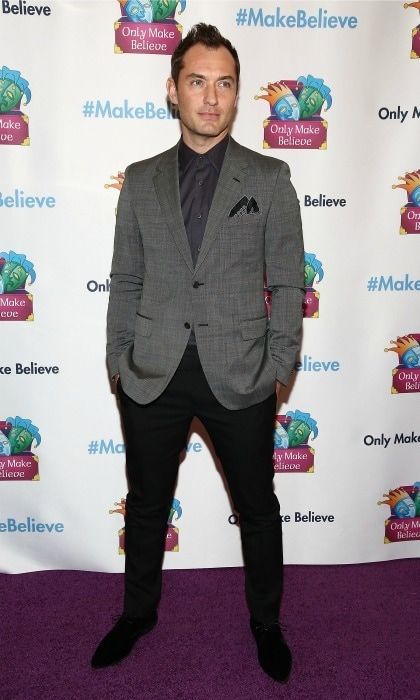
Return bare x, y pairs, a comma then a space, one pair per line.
206, 95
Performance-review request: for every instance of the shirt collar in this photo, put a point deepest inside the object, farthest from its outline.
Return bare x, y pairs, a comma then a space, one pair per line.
215, 155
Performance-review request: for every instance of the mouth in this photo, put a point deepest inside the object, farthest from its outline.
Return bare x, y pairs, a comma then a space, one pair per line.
209, 116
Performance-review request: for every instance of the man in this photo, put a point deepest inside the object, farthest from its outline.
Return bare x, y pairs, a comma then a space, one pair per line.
197, 228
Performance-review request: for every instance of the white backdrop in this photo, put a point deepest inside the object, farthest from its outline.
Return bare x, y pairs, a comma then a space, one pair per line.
58, 486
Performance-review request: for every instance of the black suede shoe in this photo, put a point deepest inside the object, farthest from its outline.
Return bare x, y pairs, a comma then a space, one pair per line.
120, 640
273, 653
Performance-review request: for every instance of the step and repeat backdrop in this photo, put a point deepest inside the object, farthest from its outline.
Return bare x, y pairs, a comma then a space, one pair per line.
332, 89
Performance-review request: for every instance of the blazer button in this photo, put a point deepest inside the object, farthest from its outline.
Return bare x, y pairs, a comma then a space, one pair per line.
187, 325
196, 285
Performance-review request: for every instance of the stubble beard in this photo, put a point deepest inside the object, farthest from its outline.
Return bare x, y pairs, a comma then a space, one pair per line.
208, 130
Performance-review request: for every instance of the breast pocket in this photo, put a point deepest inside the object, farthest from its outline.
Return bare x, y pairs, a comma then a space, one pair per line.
246, 221
243, 239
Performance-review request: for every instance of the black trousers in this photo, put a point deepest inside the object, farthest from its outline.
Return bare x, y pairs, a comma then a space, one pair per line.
155, 434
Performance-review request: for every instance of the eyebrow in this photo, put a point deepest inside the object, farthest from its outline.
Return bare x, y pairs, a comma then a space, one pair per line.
221, 77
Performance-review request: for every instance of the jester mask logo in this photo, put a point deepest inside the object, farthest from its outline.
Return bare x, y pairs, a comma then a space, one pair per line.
14, 124
314, 273
404, 521
18, 437
406, 376
292, 433
16, 272
410, 212
415, 33
148, 26
295, 119
172, 533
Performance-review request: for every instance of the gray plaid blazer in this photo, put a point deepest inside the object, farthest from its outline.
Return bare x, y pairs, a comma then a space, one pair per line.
157, 296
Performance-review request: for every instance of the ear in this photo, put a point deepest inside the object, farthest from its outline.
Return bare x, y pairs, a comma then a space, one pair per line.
172, 91
237, 95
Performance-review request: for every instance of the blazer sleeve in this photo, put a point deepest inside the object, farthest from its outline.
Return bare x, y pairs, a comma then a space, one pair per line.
284, 260
127, 272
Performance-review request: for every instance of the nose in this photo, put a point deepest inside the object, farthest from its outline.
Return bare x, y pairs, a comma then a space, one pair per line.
210, 96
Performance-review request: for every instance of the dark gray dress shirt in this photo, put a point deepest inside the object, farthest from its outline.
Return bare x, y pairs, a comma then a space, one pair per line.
198, 176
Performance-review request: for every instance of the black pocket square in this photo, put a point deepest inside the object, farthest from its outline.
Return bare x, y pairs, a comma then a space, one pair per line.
244, 206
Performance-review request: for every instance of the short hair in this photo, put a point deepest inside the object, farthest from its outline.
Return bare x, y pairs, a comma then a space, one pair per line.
208, 35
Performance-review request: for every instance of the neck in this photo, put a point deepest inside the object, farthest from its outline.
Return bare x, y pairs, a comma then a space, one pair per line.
200, 143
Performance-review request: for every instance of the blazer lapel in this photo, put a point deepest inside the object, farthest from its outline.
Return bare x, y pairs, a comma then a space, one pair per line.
167, 190
230, 187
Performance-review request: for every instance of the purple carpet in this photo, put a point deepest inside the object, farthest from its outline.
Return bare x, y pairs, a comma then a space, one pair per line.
354, 631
